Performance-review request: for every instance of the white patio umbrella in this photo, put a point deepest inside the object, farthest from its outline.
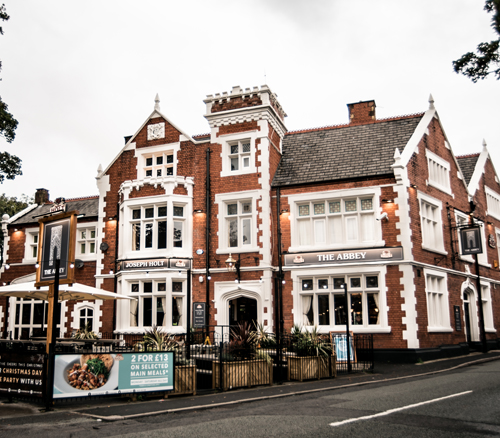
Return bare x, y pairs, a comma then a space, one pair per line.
76, 291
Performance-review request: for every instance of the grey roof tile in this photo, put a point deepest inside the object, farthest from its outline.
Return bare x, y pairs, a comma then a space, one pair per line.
467, 164
86, 206
342, 152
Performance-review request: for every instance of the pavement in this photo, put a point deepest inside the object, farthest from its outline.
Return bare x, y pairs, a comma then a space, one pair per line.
114, 409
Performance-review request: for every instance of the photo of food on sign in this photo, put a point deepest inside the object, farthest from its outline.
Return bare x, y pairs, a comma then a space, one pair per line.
92, 372
84, 374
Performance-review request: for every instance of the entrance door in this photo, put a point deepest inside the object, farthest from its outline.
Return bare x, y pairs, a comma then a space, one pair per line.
467, 321
241, 310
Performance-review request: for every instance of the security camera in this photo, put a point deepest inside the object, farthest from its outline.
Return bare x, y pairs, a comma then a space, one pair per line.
383, 216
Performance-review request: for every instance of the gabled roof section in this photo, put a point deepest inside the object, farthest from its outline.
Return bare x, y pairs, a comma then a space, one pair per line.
478, 169
155, 114
343, 151
89, 207
468, 164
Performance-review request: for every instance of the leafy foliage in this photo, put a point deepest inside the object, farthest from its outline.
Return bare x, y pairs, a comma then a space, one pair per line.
157, 339
486, 60
11, 205
85, 333
10, 165
309, 343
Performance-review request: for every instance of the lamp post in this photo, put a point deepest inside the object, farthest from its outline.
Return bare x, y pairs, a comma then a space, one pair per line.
348, 315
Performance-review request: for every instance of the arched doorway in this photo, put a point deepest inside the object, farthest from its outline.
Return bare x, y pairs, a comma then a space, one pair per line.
470, 315
242, 309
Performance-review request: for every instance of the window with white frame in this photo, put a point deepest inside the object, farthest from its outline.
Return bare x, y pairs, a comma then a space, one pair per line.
31, 318
431, 222
239, 155
336, 222
154, 228
158, 164
439, 172
86, 318
239, 223
323, 301
487, 307
32, 245
493, 203
86, 241
438, 313
159, 302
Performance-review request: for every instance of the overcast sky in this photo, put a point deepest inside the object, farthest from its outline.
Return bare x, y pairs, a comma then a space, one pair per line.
81, 75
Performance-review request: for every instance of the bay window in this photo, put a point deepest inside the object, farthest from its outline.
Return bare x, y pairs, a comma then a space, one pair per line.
323, 300
151, 225
159, 302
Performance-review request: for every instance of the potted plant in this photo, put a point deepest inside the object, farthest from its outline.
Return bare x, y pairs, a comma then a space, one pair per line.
241, 364
85, 333
313, 356
156, 339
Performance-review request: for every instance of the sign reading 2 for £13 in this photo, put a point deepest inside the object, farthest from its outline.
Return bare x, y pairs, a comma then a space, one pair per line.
147, 371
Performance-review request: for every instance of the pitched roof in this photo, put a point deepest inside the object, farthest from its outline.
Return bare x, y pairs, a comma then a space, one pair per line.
86, 206
344, 151
468, 164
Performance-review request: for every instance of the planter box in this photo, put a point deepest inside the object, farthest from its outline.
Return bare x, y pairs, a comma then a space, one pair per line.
185, 380
311, 367
243, 373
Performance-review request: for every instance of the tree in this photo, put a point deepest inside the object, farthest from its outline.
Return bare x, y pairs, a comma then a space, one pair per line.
11, 206
10, 165
487, 59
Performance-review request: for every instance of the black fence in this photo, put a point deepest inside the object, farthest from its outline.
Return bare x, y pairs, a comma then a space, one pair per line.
223, 358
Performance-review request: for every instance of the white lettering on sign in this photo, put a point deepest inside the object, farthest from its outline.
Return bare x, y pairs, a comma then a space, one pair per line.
341, 256
145, 264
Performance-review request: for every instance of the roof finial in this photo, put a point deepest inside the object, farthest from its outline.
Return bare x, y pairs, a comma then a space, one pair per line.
484, 143
157, 102
431, 102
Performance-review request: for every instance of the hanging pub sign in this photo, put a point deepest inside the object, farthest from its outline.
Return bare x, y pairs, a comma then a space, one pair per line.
471, 240
57, 241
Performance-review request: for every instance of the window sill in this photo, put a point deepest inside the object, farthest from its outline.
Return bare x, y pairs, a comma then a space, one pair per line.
226, 173
346, 247
437, 251
237, 250
354, 329
443, 189
490, 330
439, 329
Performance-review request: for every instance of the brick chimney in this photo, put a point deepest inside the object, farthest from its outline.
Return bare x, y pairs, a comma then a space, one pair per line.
362, 112
41, 196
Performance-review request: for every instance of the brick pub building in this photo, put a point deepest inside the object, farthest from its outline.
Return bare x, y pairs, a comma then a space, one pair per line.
375, 204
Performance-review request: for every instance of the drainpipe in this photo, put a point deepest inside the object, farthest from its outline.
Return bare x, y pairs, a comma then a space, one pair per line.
207, 238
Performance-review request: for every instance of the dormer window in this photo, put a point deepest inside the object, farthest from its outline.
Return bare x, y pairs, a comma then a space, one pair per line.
159, 165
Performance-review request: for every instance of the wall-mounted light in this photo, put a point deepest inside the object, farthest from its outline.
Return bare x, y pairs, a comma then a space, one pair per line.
7, 266
209, 277
283, 282
200, 278
198, 211
261, 280
71, 265
413, 186
37, 265
111, 272
383, 216
285, 210
230, 263
388, 201
147, 273
15, 230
